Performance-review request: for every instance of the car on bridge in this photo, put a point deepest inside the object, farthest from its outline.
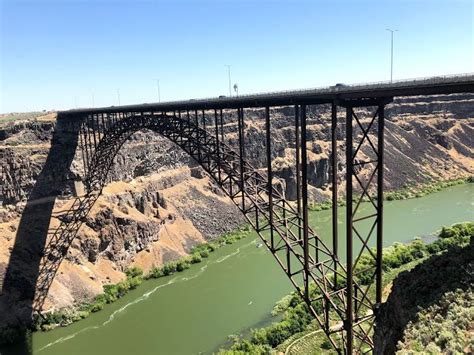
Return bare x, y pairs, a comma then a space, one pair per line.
339, 85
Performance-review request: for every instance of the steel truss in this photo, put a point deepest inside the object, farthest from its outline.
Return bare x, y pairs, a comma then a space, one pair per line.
335, 294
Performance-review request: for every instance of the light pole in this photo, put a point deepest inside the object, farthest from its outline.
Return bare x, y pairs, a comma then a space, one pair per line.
230, 85
118, 96
158, 88
391, 53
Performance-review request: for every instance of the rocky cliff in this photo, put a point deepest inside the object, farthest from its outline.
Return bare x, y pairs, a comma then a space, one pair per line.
158, 203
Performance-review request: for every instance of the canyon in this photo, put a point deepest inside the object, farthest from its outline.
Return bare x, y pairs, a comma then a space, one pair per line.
159, 203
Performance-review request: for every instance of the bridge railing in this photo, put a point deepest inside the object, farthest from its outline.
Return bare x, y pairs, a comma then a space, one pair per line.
400, 83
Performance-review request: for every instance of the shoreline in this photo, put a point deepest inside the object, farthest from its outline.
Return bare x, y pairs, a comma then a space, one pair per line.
135, 276
112, 292
407, 193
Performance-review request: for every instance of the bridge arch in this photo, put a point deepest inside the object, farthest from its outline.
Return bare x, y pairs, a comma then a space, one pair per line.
274, 218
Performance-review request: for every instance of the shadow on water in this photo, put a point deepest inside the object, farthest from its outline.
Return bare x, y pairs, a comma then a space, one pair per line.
22, 272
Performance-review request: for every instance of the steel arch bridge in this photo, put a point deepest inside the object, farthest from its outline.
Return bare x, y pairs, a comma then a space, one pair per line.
331, 284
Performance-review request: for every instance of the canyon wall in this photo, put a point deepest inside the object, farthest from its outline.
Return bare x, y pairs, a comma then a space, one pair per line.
159, 203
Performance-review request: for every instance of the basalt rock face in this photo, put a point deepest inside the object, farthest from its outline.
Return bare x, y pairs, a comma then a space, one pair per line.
159, 202
426, 138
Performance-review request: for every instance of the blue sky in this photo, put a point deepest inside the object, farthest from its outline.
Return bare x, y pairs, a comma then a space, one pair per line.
61, 54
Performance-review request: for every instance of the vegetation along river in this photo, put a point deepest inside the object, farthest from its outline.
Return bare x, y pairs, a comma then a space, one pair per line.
230, 292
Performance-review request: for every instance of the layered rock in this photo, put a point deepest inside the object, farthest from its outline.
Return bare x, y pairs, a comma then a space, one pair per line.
159, 203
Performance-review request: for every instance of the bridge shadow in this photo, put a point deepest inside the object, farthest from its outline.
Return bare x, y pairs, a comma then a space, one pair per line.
422, 287
19, 284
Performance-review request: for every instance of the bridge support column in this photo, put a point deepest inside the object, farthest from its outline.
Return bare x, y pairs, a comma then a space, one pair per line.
349, 222
218, 155
304, 192
240, 117
334, 188
364, 161
298, 167
269, 174
380, 147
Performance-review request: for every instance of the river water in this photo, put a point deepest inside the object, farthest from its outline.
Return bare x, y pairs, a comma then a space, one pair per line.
230, 292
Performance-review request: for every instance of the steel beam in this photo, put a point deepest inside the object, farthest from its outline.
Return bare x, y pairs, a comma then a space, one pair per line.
380, 148
218, 155
304, 188
334, 188
298, 166
240, 118
269, 174
349, 249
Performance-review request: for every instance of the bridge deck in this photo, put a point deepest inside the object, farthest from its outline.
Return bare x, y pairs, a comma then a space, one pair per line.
424, 86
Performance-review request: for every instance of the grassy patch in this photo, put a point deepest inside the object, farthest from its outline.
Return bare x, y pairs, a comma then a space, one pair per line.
444, 327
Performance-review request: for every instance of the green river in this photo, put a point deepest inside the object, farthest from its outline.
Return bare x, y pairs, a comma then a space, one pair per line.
230, 292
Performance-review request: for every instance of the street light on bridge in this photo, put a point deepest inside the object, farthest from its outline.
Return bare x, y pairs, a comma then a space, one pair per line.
158, 88
391, 53
228, 74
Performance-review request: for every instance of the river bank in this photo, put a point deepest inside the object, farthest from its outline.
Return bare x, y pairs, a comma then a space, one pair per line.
407, 192
135, 275
235, 288
113, 292
296, 317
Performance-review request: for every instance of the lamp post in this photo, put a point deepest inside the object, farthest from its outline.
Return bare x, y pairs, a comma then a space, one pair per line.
118, 96
230, 85
391, 53
158, 88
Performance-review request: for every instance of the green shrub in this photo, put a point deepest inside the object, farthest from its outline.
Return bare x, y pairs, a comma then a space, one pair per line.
443, 327
135, 282
134, 272
169, 268
97, 307
326, 344
213, 247
111, 293
156, 272
204, 253
182, 265
196, 258
245, 347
